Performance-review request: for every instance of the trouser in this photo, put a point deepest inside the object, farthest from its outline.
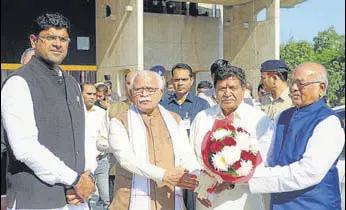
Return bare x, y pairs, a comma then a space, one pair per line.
101, 174
111, 187
189, 199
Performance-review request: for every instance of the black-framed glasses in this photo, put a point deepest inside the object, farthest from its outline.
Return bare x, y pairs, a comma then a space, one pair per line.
302, 85
52, 38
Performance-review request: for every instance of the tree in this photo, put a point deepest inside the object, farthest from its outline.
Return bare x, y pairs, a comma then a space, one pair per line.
327, 48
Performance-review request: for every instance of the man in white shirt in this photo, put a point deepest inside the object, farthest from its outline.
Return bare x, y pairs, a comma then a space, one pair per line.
96, 130
43, 118
230, 85
307, 142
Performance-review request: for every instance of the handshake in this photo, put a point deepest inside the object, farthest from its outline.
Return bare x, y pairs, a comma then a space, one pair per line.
81, 189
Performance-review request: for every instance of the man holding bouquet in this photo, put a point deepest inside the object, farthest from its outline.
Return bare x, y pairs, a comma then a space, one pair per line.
229, 83
307, 142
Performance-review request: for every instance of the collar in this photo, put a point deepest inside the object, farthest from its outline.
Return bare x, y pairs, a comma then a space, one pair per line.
39, 63
219, 113
154, 113
312, 107
283, 97
189, 98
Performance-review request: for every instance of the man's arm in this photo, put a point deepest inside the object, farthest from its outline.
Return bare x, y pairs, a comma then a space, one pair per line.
19, 122
120, 146
322, 150
102, 144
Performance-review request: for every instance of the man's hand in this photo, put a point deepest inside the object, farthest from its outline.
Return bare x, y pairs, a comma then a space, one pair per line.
85, 186
73, 198
223, 186
204, 202
181, 178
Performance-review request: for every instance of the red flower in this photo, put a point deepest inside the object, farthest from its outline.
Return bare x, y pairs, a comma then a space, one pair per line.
236, 165
216, 146
231, 128
248, 156
229, 141
240, 129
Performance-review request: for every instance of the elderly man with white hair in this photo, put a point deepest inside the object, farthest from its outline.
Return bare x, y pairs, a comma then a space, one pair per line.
152, 149
307, 142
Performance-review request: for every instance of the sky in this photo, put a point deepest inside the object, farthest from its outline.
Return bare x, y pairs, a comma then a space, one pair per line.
305, 20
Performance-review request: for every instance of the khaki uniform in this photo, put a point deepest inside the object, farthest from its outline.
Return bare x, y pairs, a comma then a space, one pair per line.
274, 107
161, 154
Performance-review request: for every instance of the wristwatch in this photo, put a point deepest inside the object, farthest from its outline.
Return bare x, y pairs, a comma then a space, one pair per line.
92, 176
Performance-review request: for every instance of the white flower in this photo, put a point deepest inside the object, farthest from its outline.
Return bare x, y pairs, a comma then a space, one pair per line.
253, 145
243, 141
246, 167
231, 154
219, 162
221, 134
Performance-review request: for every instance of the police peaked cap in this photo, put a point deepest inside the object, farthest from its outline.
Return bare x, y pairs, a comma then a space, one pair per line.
274, 66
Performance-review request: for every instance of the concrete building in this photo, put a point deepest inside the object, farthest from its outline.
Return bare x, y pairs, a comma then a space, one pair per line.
110, 36
130, 38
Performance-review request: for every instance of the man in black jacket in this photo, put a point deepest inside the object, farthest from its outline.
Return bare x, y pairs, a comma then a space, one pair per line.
44, 123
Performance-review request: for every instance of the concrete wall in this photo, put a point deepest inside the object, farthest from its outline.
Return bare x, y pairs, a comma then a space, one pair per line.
248, 43
117, 40
169, 39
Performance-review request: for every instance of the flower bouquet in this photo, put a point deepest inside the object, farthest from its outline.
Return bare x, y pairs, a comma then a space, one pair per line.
229, 154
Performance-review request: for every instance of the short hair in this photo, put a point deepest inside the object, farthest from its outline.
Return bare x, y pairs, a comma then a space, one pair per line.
49, 20
283, 75
27, 51
146, 73
102, 88
82, 85
227, 71
168, 78
182, 66
205, 84
217, 64
260, 87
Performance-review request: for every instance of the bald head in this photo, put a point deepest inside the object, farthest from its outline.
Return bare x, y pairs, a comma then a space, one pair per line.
309, 84
316, 70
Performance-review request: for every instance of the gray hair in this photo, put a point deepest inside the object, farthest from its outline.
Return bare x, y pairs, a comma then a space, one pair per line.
146, 73
25, 53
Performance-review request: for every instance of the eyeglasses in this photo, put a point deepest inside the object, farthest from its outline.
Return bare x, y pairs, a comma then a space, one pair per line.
52, 38
149, 90
302, 85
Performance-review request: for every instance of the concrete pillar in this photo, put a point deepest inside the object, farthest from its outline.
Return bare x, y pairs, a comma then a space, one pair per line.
273, 13
247, 43
119, 39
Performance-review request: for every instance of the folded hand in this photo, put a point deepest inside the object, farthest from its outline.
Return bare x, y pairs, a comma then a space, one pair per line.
204, 202
223, 186
72, 197
181, 178
85, 186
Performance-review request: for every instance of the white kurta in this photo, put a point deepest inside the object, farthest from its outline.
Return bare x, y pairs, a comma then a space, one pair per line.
255, 122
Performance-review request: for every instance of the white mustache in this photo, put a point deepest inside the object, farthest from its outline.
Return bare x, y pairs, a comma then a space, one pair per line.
144, 99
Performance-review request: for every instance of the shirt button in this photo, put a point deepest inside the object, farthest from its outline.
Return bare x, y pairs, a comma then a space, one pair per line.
157, 161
